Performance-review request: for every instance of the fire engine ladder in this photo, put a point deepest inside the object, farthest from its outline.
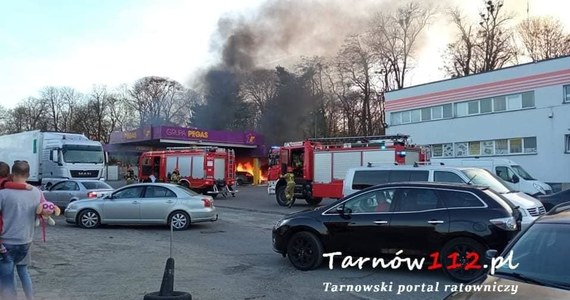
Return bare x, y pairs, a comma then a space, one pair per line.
231, 171
360, 139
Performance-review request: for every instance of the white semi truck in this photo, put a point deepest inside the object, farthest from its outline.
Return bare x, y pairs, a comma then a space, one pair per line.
55, 156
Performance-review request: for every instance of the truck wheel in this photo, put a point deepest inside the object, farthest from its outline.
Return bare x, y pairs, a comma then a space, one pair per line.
314, 201
185, 184
280, 195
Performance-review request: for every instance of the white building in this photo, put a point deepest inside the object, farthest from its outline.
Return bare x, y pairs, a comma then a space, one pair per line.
520, 113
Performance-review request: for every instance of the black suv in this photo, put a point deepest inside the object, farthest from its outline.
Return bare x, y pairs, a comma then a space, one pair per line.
419, 218
541, 253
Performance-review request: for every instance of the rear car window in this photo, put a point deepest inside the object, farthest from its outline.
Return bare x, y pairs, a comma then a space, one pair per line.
365, 179
415, 199
96, 185
444, 176
158, 192
454, 199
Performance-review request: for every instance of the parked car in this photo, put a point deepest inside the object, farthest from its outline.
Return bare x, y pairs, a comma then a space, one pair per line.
418, 218
541, 253
243, 177
361, 177
64, 192
144, 203
549, 201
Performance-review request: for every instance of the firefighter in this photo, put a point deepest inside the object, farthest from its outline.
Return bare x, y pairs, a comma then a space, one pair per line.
130, 177
290, 190
175, 177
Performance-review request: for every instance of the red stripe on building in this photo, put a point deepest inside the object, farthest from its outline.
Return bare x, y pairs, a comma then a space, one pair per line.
528, 82
480, 95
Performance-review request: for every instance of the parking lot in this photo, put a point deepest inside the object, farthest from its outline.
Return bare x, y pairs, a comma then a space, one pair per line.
229, 259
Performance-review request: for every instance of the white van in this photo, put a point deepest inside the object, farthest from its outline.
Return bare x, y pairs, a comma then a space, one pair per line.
362, 177
511, 172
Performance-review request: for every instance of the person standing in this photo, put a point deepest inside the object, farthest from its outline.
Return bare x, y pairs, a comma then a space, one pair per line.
290, 189
18, 208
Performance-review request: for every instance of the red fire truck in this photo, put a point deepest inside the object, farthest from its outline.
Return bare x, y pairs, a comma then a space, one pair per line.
320, 165
206, 170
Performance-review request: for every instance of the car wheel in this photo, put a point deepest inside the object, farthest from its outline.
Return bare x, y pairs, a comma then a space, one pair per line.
89, 219
280, 195
239, 181
461, 271
179, 220
305, 251
314, 201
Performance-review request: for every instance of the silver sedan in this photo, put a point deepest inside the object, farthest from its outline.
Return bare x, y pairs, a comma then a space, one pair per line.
64, 192
144, 203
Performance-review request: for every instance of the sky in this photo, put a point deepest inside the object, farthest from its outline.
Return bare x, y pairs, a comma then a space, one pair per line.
79, 43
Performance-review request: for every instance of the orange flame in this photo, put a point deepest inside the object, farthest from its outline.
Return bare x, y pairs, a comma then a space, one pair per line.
248, 167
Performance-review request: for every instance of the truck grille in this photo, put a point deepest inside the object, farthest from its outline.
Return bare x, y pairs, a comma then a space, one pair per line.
84, 173
536, 211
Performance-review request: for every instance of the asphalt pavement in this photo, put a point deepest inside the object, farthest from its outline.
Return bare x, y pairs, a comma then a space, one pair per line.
228, 259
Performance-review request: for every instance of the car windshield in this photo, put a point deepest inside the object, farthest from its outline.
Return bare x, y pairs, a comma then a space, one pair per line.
486, 178
522, 173
541, 255
96, 185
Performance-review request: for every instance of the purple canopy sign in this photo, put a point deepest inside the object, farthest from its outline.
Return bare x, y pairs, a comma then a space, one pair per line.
194, 134
148, 133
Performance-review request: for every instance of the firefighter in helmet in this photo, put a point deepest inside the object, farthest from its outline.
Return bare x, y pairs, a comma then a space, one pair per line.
130, 177
175, 177
290, 189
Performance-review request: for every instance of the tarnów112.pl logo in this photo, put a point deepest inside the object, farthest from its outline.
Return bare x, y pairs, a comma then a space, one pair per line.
467, 261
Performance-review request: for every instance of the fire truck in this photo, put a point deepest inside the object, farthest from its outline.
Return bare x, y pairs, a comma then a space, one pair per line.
206, 170
320, 165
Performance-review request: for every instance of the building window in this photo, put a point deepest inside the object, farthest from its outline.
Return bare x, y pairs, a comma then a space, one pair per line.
437, 112
488, 147
426, 114
416, 116
473, 107
566, 94
461, 149
396, 118
514, 102
486, 105
567, 143
528, 99
502, 147
461, 109
499, 103
474, 148
529, 145
437, 150
406, 117
448, 111
515, 146
448, 150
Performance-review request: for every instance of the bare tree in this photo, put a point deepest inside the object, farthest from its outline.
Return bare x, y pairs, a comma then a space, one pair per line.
159, 100
395, 37
544, 38
486, 47
259, 87
53, 98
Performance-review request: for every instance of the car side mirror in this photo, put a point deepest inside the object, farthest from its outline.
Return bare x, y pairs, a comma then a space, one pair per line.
491, 253
515, 179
